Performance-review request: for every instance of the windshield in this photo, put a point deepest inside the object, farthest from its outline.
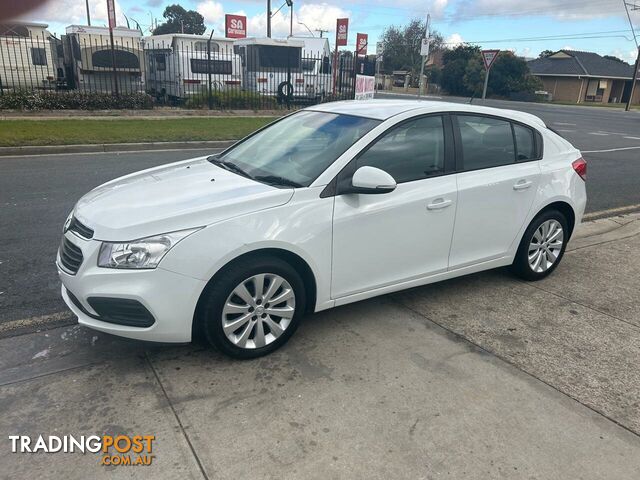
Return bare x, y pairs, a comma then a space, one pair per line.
298, 148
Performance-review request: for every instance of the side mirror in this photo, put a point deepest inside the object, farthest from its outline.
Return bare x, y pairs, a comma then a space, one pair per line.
372, 180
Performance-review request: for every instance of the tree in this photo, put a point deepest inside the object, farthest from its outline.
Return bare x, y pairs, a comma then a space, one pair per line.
455, 62
402, 46
463, 73
179, 20
510, 74
615, 59
546, 53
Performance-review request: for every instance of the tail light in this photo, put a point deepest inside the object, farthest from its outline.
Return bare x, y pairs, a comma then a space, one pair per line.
262, 80
580, 167
232, 82
299, 80
191, 82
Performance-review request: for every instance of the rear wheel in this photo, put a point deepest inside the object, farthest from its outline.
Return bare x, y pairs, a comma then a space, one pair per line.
542, 246
254, 307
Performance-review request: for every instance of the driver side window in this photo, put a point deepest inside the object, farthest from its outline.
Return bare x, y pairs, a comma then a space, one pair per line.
411, 151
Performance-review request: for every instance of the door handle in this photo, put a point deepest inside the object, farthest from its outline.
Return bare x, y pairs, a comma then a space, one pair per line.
522, 185
438, 204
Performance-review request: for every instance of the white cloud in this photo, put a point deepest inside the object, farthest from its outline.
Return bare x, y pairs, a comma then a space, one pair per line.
628, 56
213, 12
454, 40
574, 10
73, 12
314, 15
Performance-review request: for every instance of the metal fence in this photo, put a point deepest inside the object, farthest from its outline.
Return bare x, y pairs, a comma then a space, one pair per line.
189, 71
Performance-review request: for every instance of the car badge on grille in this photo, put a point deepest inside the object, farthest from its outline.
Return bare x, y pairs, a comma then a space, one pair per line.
67, 224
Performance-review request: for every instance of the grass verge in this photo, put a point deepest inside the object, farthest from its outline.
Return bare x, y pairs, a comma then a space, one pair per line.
73, 132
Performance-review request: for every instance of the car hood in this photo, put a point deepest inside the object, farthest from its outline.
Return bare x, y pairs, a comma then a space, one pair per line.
173, 197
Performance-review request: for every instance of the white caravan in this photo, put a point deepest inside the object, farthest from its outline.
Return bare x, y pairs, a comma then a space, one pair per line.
316, 66
90, 60
272, 66
28, 56
178, 65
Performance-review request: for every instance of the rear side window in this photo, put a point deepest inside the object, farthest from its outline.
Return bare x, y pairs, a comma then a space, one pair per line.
486, 142
525, 144
411, 151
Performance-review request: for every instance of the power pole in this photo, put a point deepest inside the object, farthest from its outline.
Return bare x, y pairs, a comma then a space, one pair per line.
321, 31
88, 16
269, 18
424, 57
634, 76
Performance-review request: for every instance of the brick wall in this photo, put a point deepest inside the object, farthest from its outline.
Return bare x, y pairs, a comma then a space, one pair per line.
564, 89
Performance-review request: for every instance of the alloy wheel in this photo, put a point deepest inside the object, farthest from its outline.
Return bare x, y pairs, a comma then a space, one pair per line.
258, 310
545, 246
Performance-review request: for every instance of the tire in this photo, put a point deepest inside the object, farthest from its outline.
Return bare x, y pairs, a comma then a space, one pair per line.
522, 267
285, 91
222, 306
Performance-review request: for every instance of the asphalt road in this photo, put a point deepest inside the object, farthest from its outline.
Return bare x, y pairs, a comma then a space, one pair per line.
37, 192
36, 195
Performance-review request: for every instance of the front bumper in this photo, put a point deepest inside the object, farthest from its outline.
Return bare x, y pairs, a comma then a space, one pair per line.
170, 297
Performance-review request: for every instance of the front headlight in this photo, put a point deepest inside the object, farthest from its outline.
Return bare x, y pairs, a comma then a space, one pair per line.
143, 253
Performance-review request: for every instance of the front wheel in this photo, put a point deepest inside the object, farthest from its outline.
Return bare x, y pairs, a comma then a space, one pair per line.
253, 307
542, 246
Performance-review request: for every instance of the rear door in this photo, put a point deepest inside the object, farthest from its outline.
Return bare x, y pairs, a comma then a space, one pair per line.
497, 182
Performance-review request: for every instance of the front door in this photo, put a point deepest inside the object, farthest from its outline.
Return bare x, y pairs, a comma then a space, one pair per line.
385, 239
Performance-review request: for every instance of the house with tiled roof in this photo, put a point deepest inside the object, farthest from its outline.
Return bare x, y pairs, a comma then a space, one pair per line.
582, 77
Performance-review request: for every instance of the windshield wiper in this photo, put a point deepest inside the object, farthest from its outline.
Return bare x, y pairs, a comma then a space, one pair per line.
232, 167
276, 180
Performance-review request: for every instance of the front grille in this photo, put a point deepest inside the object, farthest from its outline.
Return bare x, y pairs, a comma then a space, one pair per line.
81, 229
122, 311
70, 256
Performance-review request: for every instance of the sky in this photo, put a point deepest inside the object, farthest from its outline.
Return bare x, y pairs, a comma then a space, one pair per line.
524, 27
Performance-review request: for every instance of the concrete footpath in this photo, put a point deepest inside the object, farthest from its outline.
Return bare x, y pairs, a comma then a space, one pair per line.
479, 377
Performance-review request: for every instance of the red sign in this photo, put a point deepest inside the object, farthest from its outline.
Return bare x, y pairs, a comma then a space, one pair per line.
111, 12
342, 30
488, 57
362, 40
235, 26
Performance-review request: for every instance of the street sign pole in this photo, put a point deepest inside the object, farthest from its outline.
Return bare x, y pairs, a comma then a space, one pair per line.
634, 80
424, 56
488, 57
486, 84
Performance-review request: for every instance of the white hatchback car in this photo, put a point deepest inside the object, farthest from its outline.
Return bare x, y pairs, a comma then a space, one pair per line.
329, 205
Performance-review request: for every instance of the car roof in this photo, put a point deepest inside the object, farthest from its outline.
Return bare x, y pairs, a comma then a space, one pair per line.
384, 109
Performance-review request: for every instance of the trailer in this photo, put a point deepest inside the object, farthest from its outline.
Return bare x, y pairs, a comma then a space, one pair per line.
181, 65
316, 67
92, 65
272, 67
29, 57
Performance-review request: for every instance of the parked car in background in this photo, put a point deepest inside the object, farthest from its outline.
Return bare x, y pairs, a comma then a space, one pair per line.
330, 205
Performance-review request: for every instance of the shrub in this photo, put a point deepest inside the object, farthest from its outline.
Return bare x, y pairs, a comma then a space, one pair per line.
47, 100
232, 100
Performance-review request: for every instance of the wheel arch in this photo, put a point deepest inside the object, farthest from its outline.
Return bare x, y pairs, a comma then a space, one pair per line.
293, 259
566, 209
